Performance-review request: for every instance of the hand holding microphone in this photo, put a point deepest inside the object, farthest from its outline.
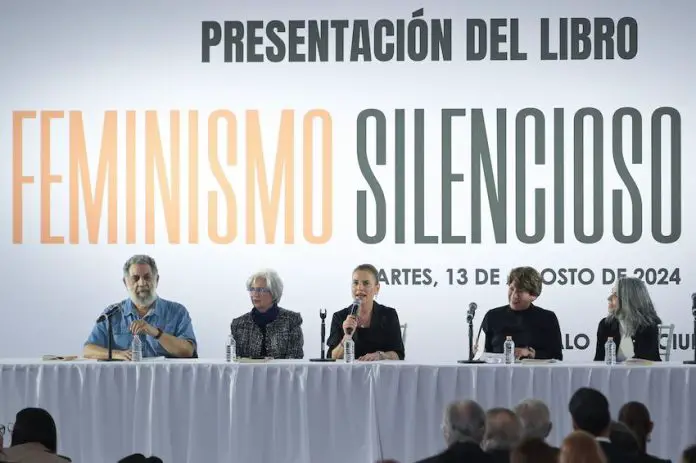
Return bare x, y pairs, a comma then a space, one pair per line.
351, 321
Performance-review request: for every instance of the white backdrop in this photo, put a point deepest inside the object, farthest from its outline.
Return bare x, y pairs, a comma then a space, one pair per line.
129, 57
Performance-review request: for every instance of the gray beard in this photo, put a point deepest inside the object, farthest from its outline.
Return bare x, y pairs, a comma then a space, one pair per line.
144, 301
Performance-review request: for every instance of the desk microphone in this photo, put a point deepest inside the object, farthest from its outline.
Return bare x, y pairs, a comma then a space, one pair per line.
106, 316
112, 309
472, 311
693, 313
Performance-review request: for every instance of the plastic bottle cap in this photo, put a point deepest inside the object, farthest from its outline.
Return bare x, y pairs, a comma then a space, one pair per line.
508, 338
610, 338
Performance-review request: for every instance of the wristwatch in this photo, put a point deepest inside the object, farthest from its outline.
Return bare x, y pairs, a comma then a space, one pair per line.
159, 334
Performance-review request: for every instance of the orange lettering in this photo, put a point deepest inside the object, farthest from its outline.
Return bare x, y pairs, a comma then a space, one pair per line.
130, 177
18, 179
326, 177
79, 174
219, 174
193, 177
169, 191
284, 167
47, 178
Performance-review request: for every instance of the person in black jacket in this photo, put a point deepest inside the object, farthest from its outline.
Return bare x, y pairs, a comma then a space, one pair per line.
636, 416
375, 328
632, 322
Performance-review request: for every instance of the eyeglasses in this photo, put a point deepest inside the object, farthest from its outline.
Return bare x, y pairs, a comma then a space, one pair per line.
260, 290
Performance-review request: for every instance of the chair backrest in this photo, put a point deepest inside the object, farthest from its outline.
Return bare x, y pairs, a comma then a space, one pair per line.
404, 326
665, 331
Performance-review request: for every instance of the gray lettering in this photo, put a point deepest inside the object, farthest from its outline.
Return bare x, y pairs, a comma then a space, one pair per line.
675, 160
481, 159
318, 40
497, 38
419, 179
276, 52
520, 180
211, 34
384, 51
234, 36
598, 175
441, 38
476, 30
580, 43
622, 170
254, 39
604, 38
627, 41
296, 39
339, 26
400, 178
448, 177
361, 41
558, 176
546, 55
400, 42
364, 163
417, 37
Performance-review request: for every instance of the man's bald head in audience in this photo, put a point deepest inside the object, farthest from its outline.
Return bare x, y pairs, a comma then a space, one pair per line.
535, 419
503, 430
464, 421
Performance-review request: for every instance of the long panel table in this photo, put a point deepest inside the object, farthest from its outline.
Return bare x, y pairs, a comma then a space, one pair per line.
193, 411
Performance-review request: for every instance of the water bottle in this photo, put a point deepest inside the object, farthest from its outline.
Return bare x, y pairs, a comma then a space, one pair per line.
136, 349
509, 348
230, 349
349, 350
610, 352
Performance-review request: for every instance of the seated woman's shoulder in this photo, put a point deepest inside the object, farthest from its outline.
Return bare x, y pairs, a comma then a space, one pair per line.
290, 314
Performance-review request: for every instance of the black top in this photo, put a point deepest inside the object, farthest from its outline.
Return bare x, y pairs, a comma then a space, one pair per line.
459, 452
615, 454
534, 327
645, 341
383, 334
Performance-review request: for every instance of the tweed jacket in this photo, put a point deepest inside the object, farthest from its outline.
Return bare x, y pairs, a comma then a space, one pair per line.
284, 338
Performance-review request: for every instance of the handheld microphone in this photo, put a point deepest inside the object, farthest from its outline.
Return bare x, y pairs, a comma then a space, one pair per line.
472, 311
353, 311
112, 309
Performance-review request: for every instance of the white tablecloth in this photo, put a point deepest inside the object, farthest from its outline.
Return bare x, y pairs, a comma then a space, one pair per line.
299, 412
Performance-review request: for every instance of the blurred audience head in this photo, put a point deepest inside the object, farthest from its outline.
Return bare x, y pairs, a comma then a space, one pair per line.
35, 425
621, 436
581, 447
636, 416
689, 455
463, 421
589, 409
534, 451
535, 419
140, 458
503, 430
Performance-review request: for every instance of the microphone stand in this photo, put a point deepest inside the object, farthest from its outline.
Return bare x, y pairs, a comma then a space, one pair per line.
692, 362
110, 340
322, 315
470, 321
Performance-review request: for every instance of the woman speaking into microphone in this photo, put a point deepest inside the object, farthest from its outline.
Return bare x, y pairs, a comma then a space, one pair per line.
375, 328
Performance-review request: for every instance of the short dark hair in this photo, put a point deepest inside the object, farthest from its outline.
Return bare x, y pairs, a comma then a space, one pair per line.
590, 410
368, 268
636, 416
35, 425
526, 279
689, 455
534, 450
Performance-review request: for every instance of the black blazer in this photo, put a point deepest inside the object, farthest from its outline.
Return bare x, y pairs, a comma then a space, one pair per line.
384, 333
460, 452
646, 345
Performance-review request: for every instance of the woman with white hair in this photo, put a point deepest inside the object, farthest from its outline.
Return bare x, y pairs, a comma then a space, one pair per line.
268, 330
632, 322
